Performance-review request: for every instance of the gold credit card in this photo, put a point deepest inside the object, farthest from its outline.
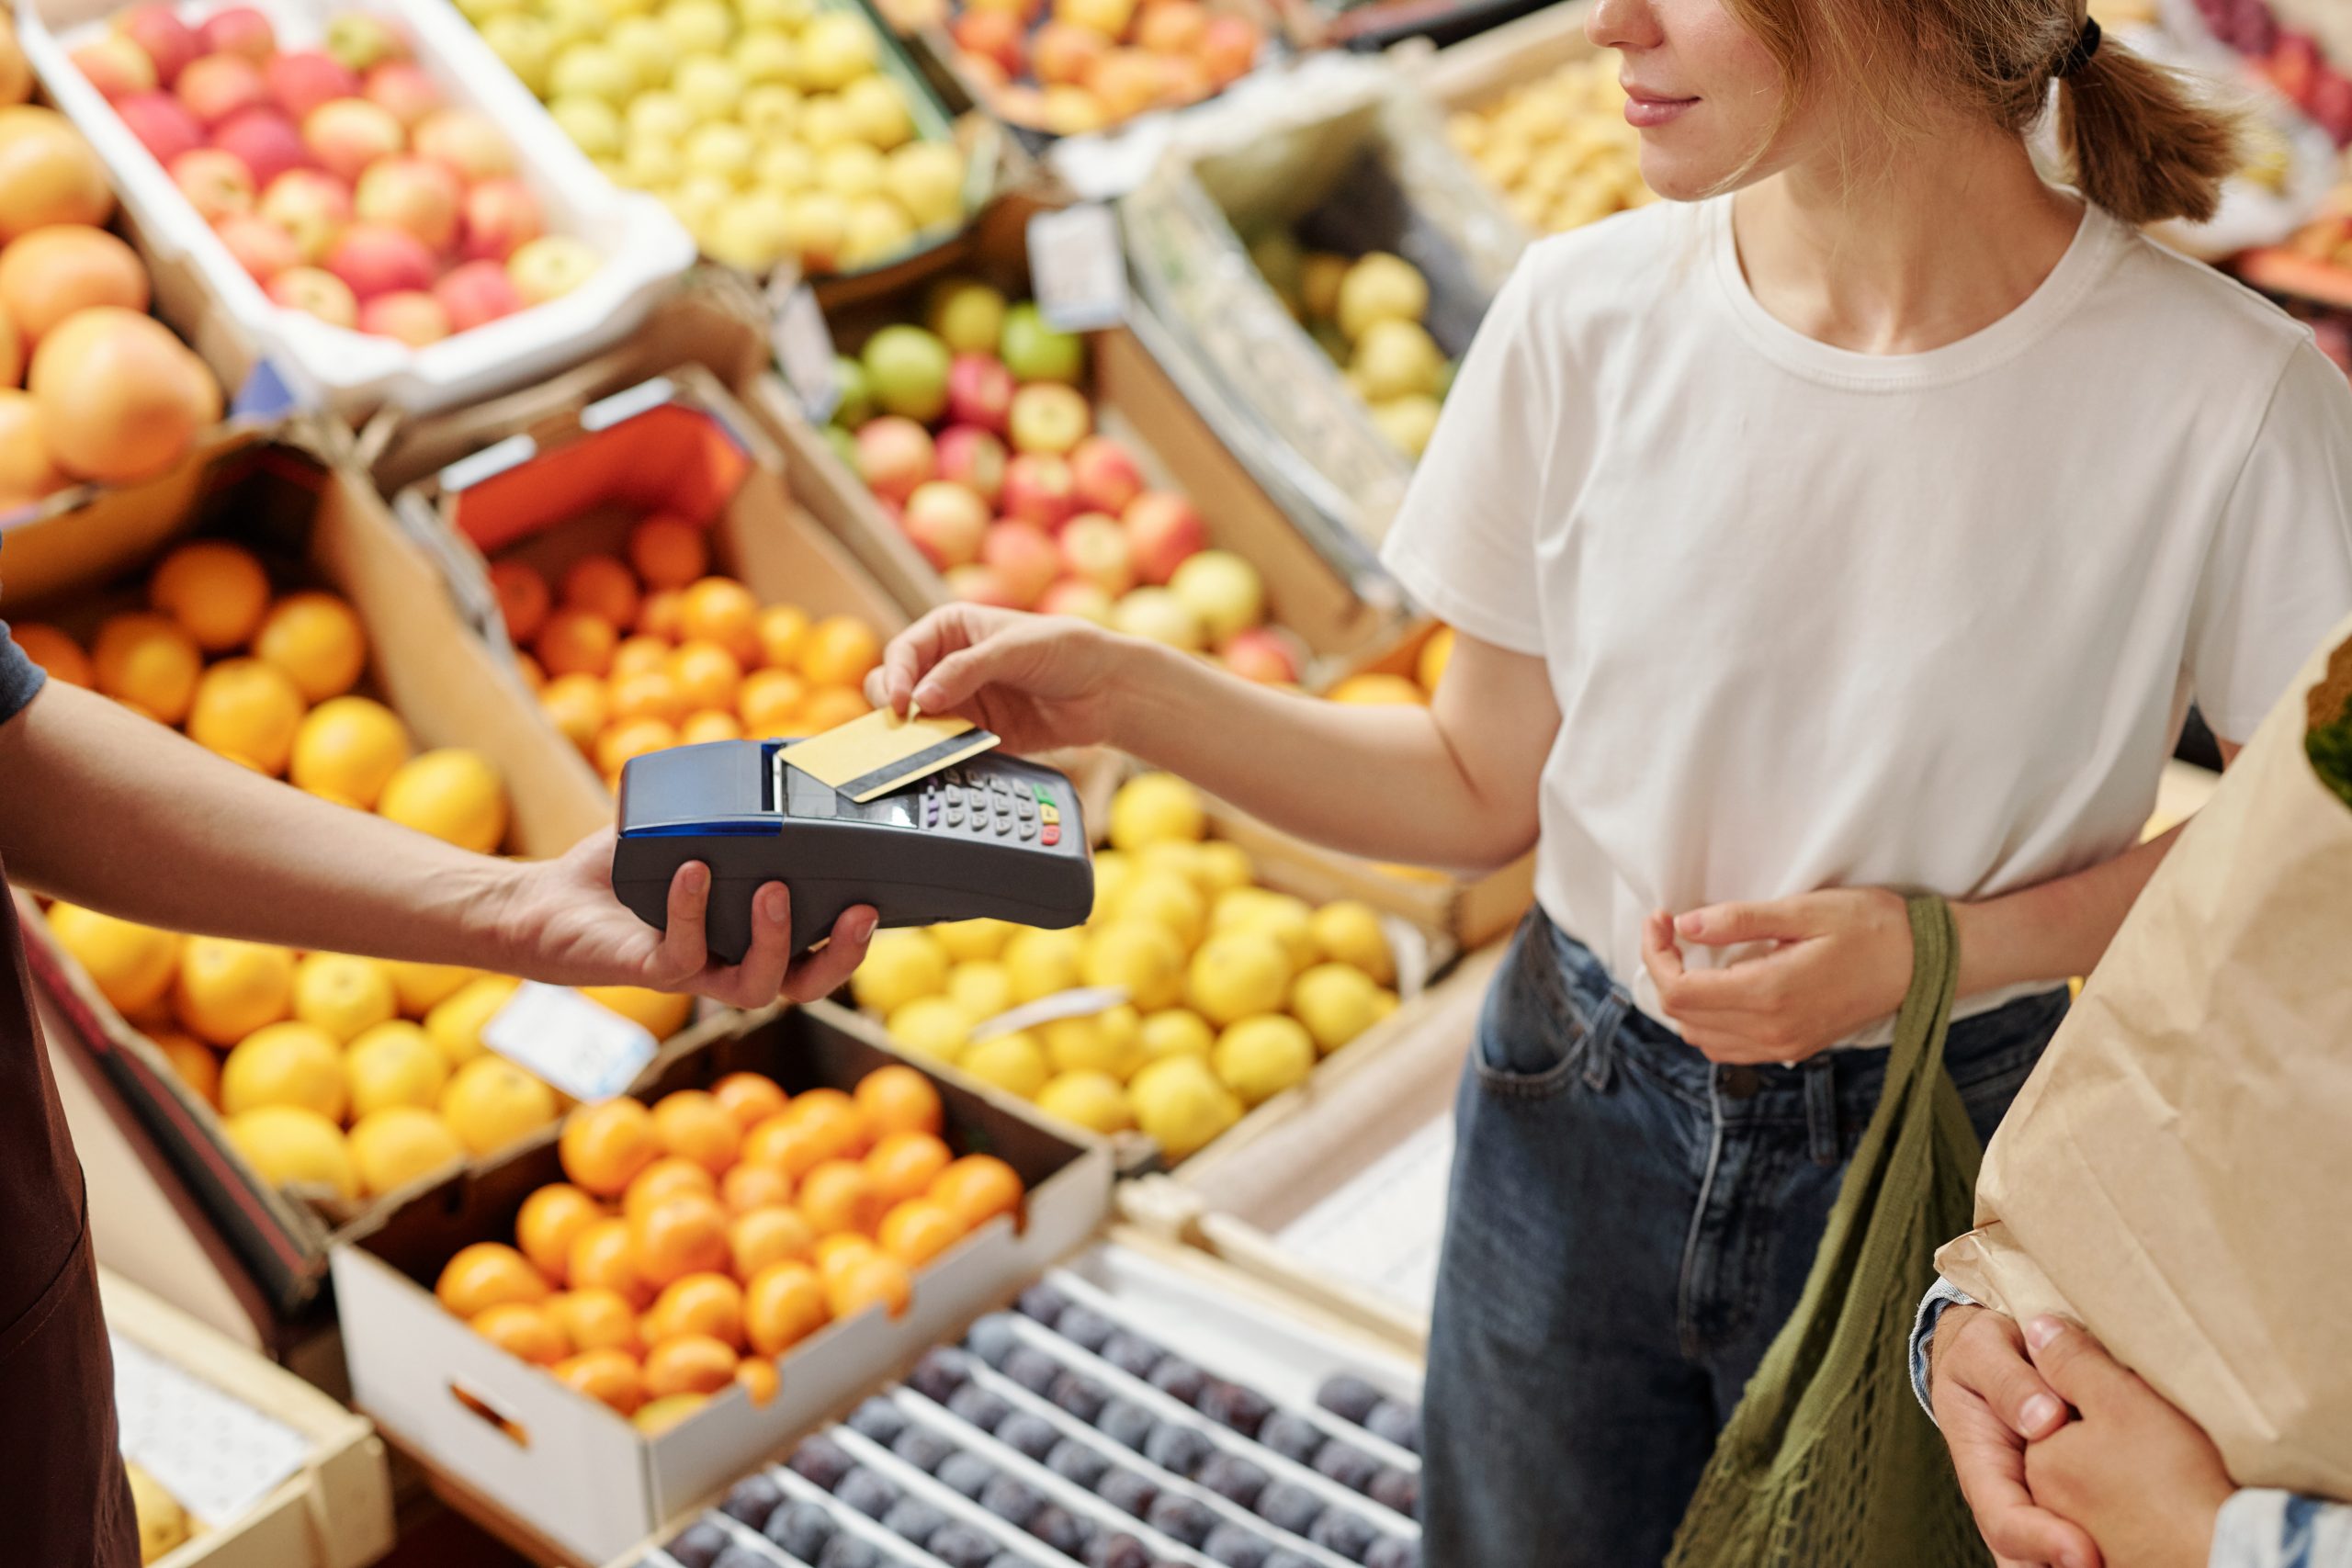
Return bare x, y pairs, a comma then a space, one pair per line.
881, 752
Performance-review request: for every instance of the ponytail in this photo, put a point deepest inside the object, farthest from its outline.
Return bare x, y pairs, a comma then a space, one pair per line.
2145, 147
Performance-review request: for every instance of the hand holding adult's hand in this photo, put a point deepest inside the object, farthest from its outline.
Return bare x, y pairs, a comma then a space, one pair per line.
1990, 1402
1837, 960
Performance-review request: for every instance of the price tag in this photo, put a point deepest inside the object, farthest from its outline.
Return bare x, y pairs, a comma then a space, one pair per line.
1077, 268
1084, 1002
804, 352
217, 1456
590, 1052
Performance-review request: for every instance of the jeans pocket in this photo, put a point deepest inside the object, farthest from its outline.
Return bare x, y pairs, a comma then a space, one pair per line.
1539, 1031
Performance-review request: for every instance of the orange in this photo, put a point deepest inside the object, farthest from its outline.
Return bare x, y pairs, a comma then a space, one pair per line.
641, 655
680, 1236
217, 590
706, 674
576, 642
658, 1013
668, 552
549, 1221
722, 610
669, 1176
600, 1261
837, 1254
632, 737
693, 1125
317, 639
699, 1303
453, 794
605, 1146
248, 712
746, 1187
285, 1064
658, 613
148, 660
772, 1235
602, 584
533, 677
491, 1103
229, 989
839, 651
878, 1279
523, 598
839, 1196
977, 1187
918, 1230
783, 632
749, 1098
658, 1415
904, 1164
784, 1305
485, 1275
596, 1319
899, 1100
692, 1363
133, 965
347, 748
55, 652
607, 1375
579, 706
784, 1145
649, 696
834, 1120
758, 1378
770, 697
197, 1064
522, 1330
829, 707
700, 728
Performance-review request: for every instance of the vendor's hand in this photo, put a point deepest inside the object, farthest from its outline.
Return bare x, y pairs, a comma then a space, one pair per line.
561, 922
1038, 681
1989, 1402
2141, 1477
1842, 959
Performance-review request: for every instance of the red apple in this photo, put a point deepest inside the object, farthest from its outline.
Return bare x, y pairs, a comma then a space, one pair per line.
466, 139
315, 292
1106, 475
1094, 549
1069, 597
374, 258
974, 458
217, 88
1049, 417
978, 584
312, 205
1064, 52
261, 247
307, 80
996, 36
215, 183
1038, 489
115, 66
1263, 654
1228, 48
240, 30
979, 391
894, 455
413, 318
168, 42
162, 125
348, 134
476, 292
411, 193
1021, 555
1164, 532
402, 87
266, 141
948, 524
502, 215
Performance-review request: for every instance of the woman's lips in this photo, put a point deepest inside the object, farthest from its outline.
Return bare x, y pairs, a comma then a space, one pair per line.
1646, 110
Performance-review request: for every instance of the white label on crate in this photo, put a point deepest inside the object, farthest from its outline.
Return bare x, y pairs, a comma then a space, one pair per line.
1084, 1002
588, 1051
217, 1456
804, 352
1078, 269
1381, 1232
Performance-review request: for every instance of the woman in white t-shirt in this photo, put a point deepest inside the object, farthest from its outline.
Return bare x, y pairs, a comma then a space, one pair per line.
1870, 530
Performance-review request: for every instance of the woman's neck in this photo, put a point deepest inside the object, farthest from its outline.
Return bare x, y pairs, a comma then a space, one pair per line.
1935, 246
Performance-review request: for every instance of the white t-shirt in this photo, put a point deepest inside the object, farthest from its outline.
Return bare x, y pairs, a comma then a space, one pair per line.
1817, 618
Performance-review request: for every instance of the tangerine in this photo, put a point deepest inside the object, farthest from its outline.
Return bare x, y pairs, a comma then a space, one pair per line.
749, 1098
977, 1189
658, 1415
549, 1221
669, 1176
722, 610
248, 712
898, 1098
772, 1235
833, 1119
904, 1164
837, 1254
197, 1064
783, 1304
535, 678
840, 651
631, 737
228, 988
132, 965
658, 613
677, 1237
879, 1279
604, 585
639, 655
317, 640
576, 642
602, 1260
658, 1013
604, 1147
596, 1318
579, 706
347, 748
692, 1363
839, 1195
783, 631
59, 655
485, 1275
699, 1303
217, 590
668, 552
706, 674
758, 1378
651, 695
607, 1375
770, 698
523, 599
150, 661
829, 707
453, 794
746, 1187
919, 1230
784, 1145
692, 1124
700, 728
522, 1330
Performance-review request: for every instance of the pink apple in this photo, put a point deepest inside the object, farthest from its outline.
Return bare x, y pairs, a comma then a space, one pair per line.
1263, 654
261, 247
1164, 532
502, 215
1023, 557
1049, 417
376, 258
315, 292
305, 81
240, 30
978, 584
267, 143
168, 42
475, 293
948, 524
1106, 475
216, 87
348, 134
469, 142
312, 205
973, 459
411, 193
403, 87
115, 66
894, 455
979, 391
1094, 549
162, 125
215, 183
551, 267
413, 318
1083, 600
1038, 489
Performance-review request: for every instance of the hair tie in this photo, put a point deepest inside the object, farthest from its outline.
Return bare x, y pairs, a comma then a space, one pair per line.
2085, 45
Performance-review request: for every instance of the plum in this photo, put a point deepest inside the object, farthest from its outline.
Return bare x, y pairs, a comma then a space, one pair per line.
1233, 1478
1075, 1461
1234, 1546
1014, 1501
1132, 1354
847, 1551
869, 1492
911, 1519
1031, 1368
1044, 1303
1398, 1491
1178, 1379
752, 1499
801, 1527
1180, 1517
740, 1556
1080, 1395
923, 1448
1346, 1532
698, 1545
967, 1473
1030, 1437
1393, 1551
1288, 1506
1230, 1404
1126, 1422
1178, 1449
1292, 1436
960, 1545
1349, 1397
879, 1419
940, 1373
993, 1337
1085, 1327
821, 1463
1058, 1528
1128, 1491
1112, 1551
1400, 1422
983, 1407
1346, 1464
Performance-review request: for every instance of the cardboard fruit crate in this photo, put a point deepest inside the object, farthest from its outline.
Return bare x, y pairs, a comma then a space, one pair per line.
567, 1474
335, 1511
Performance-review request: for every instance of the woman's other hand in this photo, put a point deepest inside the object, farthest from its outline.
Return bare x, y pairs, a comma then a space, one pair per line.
1038, 681
1837, 960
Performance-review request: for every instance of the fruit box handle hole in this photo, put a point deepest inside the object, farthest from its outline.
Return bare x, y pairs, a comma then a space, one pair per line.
481, 1408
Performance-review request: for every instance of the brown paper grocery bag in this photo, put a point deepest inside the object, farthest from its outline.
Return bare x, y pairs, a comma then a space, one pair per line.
2176, 1175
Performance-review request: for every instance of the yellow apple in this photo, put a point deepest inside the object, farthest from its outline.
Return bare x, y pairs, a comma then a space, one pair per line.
785, 167
878, 112
749, 232
823, 122
927, 179
710, 87
766, 55
661, 114
770, 111
591, 71
698, 27
590, 123
851, 171
836, 49
721, 149
815, 222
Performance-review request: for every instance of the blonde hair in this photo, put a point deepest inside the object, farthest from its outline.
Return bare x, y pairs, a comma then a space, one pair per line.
2143, 147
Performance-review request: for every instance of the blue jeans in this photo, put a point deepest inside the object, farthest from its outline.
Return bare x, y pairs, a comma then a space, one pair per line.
1630, 1224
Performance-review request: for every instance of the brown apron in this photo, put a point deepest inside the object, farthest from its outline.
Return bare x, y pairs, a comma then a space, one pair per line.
63, 1501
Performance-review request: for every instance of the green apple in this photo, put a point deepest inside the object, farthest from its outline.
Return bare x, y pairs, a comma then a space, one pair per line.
722, 149
526, 46
967, 315
770, 111
1035, 351
659, 114
844, 443
852, 171
877, 107
591, 71
766, 55
836, 49
698, 27
927, 179
708, 86
1397, 359
785, 167
908, 370
590, 123
857, 398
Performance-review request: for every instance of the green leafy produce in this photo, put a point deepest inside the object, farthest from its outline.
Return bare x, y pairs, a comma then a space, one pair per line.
2330, 746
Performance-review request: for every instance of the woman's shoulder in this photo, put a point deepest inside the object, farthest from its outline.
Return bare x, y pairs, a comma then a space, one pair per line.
2187, 302
1618, 265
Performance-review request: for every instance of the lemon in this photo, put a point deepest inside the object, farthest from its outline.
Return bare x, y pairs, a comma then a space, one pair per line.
1350, 931
393, 1063
492, 1103
1092, 1100
1013, 1062
293, 1147
1287, 919
932, 1026
1112, 873
421, 988
455, 1024
343, 995
1042, 963
249, 712
1336, 1003
1238, 974
452, 793
1180, 1104
1142, 959
1260, 1057
1166, 898
347, 748
1176, 1032
980, 988
900, 967
1153, 807
285, 1064
658, 1013
395, 1146
968, 940
133, 965
229, 989
1181, 856
1221, 867
1109, 1042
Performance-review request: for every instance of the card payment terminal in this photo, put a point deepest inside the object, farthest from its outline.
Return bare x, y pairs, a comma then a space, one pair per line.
990, 836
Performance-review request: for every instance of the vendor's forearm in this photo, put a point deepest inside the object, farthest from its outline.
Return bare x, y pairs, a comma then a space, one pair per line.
2056, 929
